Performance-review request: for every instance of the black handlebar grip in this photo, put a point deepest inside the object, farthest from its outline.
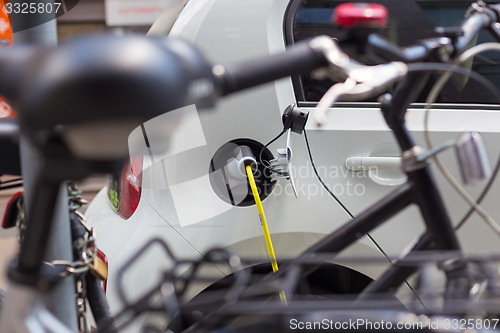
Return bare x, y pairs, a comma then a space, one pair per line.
426, 47
301, 58
391, 52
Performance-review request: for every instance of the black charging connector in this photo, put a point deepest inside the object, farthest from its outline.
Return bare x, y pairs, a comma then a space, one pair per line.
295, 119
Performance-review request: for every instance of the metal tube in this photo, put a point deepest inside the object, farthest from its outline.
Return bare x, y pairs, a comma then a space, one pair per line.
44, 34
59, 300
48, 236
395, 275
371, 218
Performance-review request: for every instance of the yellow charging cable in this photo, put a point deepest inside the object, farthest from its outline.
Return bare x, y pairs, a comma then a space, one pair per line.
263, 221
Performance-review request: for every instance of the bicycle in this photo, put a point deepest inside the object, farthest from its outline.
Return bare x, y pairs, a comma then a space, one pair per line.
154, 76
246, 301
394, 109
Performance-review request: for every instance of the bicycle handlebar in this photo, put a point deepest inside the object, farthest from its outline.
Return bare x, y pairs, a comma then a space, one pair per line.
133, 79
496, 10
299, 59
479, 17
136, 79
129, 78
471, 27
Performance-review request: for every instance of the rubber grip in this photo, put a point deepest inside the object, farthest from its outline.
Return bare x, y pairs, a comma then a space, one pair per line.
299, 59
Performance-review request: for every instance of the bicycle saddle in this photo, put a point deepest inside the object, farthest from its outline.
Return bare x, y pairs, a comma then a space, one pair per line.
92, 93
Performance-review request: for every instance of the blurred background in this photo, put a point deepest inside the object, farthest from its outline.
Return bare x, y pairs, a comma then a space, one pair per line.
98, 16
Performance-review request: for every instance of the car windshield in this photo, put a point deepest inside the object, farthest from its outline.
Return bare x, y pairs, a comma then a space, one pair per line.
311, 18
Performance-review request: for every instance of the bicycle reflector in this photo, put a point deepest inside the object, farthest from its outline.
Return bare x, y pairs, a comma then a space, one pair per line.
360, 15
473, 158
124, 192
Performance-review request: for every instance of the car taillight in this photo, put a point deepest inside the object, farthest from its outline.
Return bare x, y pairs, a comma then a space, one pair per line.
125, 189
12, 211
104, 259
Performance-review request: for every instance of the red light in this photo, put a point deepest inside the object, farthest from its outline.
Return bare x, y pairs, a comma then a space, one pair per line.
6, 36
6, 110
130, 191
9, 217
360, 14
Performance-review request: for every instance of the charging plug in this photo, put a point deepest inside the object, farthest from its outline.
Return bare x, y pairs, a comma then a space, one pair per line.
295, 119
242, 156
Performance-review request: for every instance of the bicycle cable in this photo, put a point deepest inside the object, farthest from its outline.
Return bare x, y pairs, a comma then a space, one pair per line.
321, 179
411, 67
436, 89
474, 203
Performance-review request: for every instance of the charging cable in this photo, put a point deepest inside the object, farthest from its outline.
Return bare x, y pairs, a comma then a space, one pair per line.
263, 221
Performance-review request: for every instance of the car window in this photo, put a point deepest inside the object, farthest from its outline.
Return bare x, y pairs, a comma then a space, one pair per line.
409, 21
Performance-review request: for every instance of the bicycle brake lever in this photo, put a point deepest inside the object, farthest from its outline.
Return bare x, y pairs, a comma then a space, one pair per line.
339, 61
362, 82
374, 79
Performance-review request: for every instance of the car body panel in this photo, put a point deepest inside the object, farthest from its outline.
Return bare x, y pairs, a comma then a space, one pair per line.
179, 205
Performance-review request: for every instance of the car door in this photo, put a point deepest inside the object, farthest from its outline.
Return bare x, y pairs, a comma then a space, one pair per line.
356, 130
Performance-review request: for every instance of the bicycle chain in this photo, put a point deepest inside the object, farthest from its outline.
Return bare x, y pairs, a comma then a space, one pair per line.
84, 246
87, 248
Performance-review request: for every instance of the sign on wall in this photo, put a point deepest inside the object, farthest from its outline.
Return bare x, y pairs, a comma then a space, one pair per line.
134, 12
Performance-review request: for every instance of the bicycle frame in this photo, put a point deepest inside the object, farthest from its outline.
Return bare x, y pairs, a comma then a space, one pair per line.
420, 189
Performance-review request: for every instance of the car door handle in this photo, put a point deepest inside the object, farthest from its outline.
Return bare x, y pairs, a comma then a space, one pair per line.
367, 163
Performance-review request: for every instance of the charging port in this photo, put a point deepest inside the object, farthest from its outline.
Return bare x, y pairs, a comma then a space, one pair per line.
227, 172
